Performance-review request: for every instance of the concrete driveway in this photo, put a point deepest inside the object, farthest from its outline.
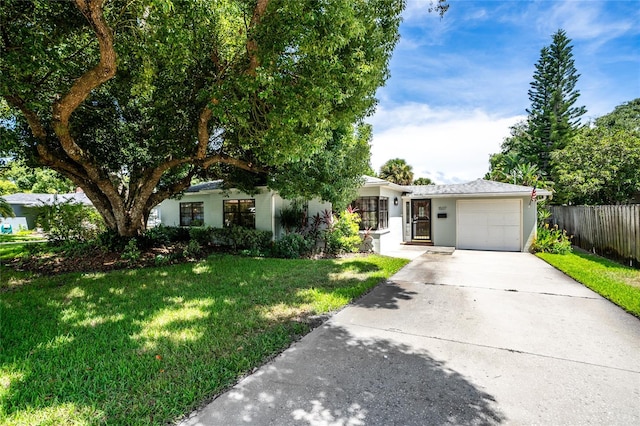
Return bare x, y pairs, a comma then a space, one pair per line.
473, 338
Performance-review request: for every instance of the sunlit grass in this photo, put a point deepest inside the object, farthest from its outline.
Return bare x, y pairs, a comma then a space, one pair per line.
616, 282
147, 346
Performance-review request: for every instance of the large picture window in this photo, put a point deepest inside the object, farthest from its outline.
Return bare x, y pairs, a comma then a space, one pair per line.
240, 213
373, 211
192, 214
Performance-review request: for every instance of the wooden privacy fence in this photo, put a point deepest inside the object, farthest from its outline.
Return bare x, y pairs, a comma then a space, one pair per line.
611, 231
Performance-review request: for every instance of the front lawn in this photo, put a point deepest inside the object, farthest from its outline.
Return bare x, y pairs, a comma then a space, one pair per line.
616, 282
147, 346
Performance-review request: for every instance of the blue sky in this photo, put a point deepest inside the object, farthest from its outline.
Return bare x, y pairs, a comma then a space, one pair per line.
458, 83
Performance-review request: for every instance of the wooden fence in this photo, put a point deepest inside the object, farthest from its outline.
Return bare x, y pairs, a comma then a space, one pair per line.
611, 231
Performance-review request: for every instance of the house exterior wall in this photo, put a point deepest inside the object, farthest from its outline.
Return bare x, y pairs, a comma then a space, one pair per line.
268, 207
444, 230
29, 213
529, 222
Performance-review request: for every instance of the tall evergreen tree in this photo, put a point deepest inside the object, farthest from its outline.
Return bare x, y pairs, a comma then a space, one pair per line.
553, 118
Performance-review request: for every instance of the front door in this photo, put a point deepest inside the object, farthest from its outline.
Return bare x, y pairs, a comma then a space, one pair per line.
421, 220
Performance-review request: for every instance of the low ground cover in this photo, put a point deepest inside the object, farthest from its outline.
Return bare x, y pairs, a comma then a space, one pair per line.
146, 346
616, 282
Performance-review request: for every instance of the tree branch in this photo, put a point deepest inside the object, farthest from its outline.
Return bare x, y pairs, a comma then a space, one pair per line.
32, 118
105, 70
252, 44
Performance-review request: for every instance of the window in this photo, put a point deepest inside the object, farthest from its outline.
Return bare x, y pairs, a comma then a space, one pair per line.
373, 211
240, 213
192, 214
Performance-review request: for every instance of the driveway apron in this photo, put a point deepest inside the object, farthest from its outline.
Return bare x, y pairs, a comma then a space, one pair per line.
473, 338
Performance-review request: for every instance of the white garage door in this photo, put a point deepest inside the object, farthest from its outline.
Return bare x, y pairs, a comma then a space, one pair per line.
489, 224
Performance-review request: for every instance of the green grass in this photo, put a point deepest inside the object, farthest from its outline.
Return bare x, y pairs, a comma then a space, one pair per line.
19, 237
616, 282
147, 346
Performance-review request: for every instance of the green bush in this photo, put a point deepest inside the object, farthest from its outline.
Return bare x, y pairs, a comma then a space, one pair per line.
293, 246
342, 236
192, 250
67, 221
131, 251
551, 240
237, 238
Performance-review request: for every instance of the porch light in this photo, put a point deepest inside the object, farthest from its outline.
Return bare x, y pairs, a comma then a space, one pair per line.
395, 201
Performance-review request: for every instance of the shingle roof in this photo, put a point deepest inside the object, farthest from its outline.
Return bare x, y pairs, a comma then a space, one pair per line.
476, 187
206, 186
35, 200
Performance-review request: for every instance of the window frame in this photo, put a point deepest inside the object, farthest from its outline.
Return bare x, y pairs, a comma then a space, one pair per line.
234, 215
189, 213
373, 212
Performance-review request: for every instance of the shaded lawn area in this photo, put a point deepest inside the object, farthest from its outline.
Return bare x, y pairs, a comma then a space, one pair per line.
618, 283
147, 346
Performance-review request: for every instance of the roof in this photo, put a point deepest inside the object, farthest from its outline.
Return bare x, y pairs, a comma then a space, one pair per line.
37, 200
374, 181
206, 186
477, 187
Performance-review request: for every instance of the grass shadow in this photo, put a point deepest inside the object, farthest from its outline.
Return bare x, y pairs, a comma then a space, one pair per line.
145, 346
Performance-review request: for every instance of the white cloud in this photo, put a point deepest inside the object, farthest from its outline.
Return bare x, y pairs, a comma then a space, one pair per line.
444, 145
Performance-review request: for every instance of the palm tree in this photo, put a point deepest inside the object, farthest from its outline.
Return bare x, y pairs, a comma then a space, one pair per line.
5, 209
423, 181
397, 171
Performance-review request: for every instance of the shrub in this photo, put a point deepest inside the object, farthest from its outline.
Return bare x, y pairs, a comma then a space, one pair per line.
65, 221
192, 249
237, 238
294, 217
342, 236
203, 235
293, 246
131, 251
552, 240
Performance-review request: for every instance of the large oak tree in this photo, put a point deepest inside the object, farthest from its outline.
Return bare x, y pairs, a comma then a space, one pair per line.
131, 99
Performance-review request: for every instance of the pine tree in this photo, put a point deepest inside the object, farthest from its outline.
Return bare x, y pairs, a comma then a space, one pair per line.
553, 118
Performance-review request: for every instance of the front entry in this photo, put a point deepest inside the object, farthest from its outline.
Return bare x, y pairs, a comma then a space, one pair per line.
421, 220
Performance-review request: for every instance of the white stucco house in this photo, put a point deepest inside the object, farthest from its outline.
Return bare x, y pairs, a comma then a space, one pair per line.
480, 215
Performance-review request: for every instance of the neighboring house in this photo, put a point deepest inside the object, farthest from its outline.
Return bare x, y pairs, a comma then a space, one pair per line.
27, 206
481, 215
211, 205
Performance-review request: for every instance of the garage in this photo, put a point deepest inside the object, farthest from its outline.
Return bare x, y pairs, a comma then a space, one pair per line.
489, 224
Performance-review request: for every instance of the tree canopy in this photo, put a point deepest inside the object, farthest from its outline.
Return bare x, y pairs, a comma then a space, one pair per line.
601, 165
552, 121
131, 99
397, 171
423, 181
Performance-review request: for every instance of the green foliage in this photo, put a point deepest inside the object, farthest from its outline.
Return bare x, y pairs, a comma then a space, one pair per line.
343, 235
625, 117
423, 181
397, 171
68, 221
283, 92
8, 187
131, 251
35, 179
551, 240
192, 250
553, 118
293, 217
5, 208
293, 246
600, 166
